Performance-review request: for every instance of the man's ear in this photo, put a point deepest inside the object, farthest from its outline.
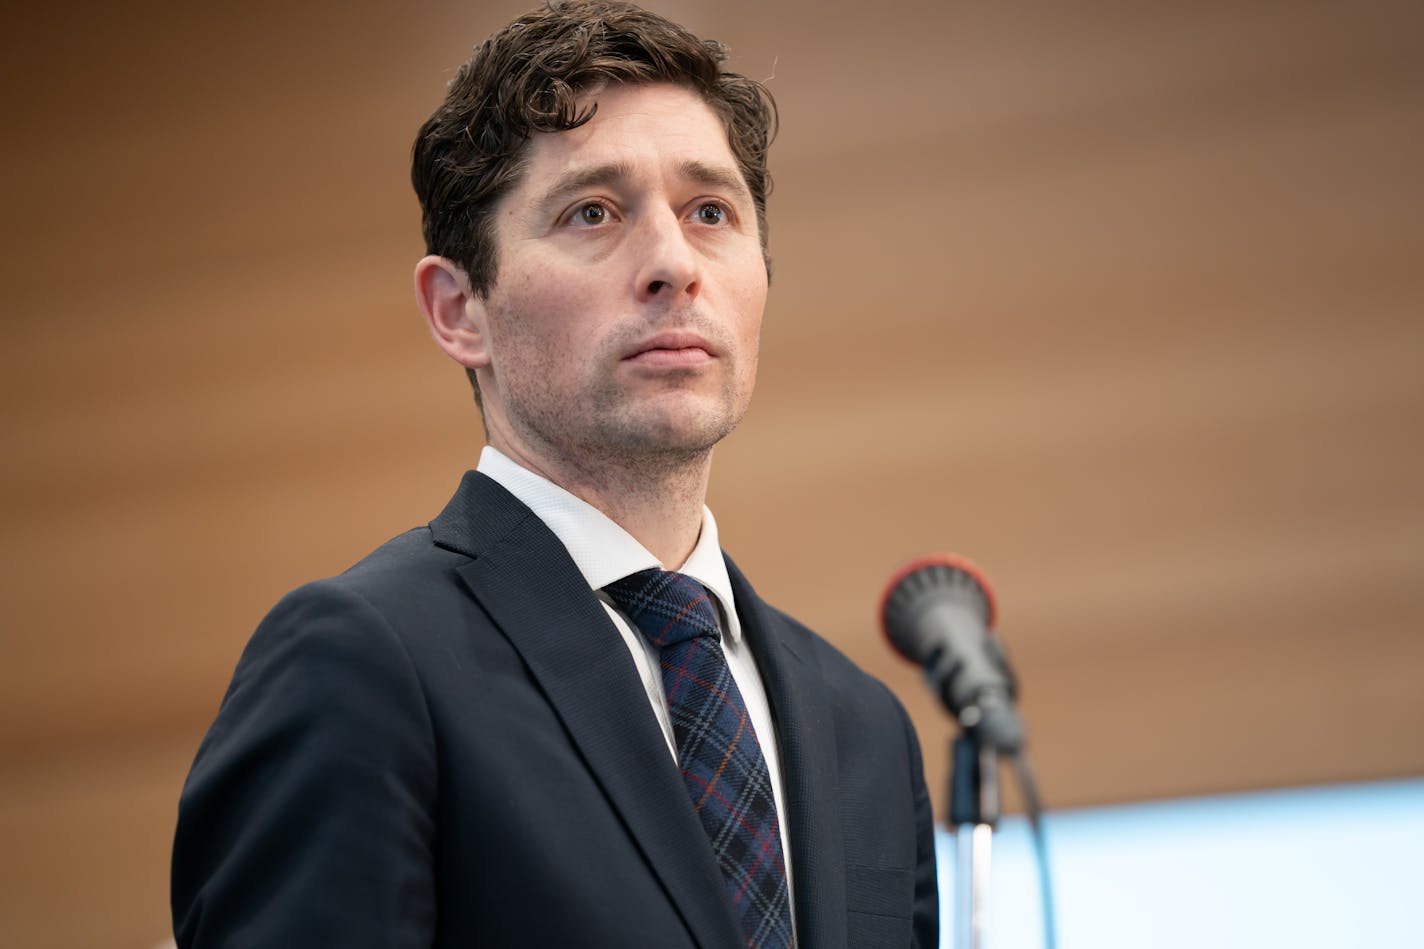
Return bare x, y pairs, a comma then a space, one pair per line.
455, 315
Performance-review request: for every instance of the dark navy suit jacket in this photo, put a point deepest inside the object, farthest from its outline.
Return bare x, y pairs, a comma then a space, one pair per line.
448, 745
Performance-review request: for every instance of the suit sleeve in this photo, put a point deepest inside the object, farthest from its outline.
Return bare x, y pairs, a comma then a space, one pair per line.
926, 905
308, 816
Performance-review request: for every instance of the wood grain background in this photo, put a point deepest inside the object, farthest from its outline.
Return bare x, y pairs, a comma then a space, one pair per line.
1121, 299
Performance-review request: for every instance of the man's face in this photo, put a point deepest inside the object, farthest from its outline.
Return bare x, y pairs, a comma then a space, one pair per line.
625, 315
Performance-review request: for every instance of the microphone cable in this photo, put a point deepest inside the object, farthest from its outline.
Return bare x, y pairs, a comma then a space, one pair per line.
1034, 810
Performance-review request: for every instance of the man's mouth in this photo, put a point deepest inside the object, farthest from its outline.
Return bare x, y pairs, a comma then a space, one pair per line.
674, 349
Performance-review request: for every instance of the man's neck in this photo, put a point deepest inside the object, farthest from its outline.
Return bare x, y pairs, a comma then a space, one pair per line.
659, 503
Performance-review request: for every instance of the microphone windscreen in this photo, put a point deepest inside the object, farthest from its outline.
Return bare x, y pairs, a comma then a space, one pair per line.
935, 581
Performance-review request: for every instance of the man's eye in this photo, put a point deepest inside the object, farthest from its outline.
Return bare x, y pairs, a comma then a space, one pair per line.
592, 214
711, 214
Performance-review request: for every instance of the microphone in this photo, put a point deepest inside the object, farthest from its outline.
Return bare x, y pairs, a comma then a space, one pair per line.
937, 612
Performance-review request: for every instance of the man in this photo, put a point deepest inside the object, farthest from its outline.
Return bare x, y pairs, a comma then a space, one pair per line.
557, 715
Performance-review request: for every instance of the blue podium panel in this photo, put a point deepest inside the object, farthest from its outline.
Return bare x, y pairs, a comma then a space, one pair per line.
1320, 867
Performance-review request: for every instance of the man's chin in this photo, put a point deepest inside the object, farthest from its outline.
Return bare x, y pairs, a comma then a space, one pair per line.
671, 436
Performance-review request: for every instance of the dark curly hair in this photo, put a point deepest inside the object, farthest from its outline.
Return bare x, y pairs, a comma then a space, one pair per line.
526, 78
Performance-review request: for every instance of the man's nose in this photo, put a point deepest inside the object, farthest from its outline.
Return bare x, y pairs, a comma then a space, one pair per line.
669, 264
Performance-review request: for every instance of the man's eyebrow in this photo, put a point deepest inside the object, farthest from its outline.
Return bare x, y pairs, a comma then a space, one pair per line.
581, 179
717, 177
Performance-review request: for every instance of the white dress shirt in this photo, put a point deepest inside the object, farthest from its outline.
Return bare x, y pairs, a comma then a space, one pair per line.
605, 552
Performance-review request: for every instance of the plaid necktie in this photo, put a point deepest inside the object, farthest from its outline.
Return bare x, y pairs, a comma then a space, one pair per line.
717, 748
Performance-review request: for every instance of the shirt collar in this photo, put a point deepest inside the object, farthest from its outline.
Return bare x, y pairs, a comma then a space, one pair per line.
602, 550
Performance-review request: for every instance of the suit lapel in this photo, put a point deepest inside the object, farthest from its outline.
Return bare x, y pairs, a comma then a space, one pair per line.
806, 729
523, 577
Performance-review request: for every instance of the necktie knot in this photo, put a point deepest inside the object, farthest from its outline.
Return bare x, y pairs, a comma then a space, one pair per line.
668, 608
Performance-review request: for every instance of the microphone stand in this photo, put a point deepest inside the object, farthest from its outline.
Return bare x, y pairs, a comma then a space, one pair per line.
974, 813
